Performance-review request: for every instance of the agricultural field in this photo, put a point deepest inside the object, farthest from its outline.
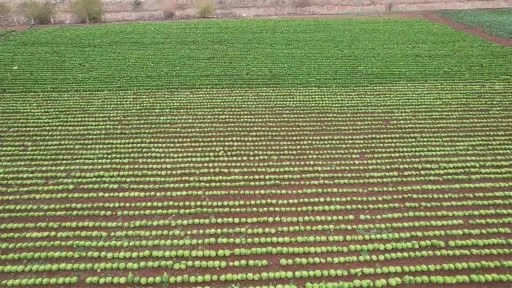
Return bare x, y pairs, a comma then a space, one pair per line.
255, 153
497, 22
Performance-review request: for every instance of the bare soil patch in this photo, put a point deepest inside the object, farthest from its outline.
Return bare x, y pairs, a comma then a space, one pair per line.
15, 28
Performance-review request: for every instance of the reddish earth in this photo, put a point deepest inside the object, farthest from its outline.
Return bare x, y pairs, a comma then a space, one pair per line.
15, 28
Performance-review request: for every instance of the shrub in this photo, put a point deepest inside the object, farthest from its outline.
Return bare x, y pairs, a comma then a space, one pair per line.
88, 10
169, 14
39, 12
205, 8
136, 4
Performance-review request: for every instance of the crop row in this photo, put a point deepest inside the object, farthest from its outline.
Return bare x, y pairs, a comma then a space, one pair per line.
267, 176
237, 124
169, 164
492, 129
257, 251
39, 281
280, 202
211, 104
318, 107
231, 220
231, 241
269, 192
226, 252
257, 136
272, 209
255, 231
266, 137
116, 183
307, 261
436, 213
428, 149
156, 157
236, 116
299, 274
180, 265
230, 167
278, 169
237, 181
231, 155
78, 177
194, 242
410, 280
308, 190
184, 265
322, 208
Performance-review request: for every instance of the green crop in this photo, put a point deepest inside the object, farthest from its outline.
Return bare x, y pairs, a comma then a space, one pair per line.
497, 22
255, 153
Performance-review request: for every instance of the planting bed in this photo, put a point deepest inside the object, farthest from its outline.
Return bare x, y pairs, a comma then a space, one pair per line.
304, 168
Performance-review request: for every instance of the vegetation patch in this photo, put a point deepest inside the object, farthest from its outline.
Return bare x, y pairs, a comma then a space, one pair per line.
497, 22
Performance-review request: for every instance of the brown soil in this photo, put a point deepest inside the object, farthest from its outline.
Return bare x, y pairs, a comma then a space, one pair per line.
15, 28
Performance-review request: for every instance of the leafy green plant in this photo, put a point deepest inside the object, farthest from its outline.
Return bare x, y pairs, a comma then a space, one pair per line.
205, 8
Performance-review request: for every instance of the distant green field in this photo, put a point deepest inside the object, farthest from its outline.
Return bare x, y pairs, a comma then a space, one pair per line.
248, 54
497, 22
